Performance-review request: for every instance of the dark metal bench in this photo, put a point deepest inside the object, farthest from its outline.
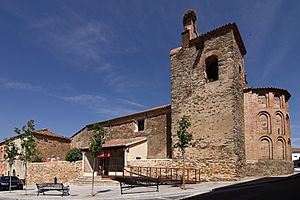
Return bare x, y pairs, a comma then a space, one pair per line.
132, 181
44, 187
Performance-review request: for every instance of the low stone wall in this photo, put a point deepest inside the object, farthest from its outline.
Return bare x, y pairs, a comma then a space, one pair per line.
45, 172
268, 168
150, 162
210, 170
223, 170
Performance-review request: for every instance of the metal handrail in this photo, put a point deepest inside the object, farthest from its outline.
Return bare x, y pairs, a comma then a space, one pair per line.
192, 175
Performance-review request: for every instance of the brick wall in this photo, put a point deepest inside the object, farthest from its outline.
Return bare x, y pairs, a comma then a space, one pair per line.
268, 127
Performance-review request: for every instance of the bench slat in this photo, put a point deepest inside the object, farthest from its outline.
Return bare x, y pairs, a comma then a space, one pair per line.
44, 187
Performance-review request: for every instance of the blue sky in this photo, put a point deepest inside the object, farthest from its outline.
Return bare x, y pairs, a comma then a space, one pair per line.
69, 63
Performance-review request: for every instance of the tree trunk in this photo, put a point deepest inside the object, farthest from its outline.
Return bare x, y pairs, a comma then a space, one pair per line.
183, 173
25, 178
93, 177
9, 178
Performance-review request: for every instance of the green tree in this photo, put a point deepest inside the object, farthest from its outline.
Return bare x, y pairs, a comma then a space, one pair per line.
28, 146
96, 146
11, 153
184, 140
73, 155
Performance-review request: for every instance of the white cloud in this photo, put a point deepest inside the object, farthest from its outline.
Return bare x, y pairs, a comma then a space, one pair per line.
106, 106
20, 86
82, 41
74, 39
296, 142
85, 99
125, 101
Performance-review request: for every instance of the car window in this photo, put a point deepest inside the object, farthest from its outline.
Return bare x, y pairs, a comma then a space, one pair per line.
5, 178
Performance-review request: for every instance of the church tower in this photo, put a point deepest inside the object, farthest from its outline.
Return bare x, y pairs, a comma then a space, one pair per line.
207, 82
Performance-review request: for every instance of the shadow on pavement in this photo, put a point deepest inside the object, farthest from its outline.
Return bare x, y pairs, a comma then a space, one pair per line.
129, 190
102, 191
264, 188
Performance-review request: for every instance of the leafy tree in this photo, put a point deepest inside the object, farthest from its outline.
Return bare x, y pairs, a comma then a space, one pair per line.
28, 146
73, 155
96, 146
184, 140
37, 157
11, 153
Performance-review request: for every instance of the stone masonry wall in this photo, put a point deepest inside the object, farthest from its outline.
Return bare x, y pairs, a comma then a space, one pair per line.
45, 172
268, 168
210, 169
52, 147
157, 130
3, 162
215, 108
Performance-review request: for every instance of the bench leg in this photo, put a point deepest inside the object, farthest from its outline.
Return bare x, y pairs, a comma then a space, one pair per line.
121, 188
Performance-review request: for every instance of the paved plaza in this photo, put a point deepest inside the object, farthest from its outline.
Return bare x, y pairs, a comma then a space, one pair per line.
113, 192
213, 190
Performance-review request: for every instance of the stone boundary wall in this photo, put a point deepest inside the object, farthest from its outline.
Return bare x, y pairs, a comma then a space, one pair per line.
210, 170
44, 172
268, 168
149, 162
222, 170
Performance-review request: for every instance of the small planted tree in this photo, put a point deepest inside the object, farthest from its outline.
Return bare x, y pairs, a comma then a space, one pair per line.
184, 140
11, 153
28, 146
73, 155
96, 147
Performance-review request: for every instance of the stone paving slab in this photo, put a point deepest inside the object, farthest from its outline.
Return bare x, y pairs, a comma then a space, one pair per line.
113, 192
166, 192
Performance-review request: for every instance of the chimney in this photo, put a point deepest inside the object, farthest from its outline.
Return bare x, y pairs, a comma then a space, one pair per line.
190, 30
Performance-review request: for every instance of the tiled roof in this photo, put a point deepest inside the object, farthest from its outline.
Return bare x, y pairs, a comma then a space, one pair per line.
158, 108
272, 89
137, 113
296, 150
123, 142
46, 132
220, 30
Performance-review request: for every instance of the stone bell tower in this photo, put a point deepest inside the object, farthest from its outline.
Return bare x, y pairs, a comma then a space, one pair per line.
207, 81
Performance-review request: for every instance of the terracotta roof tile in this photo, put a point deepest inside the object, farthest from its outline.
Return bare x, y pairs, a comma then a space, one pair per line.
50, 133
220, 30
123, 142
168, 106
158, 108
272, 89
296, 150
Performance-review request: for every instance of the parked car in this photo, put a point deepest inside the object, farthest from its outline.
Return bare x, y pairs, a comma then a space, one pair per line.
16, 183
